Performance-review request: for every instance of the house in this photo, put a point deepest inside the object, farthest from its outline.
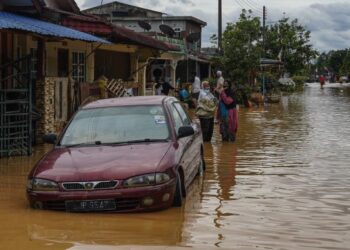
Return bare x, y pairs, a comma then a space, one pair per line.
45, 59
128, 56
185, 32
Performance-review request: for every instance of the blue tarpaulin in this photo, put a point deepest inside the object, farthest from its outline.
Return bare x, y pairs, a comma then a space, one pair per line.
17, 22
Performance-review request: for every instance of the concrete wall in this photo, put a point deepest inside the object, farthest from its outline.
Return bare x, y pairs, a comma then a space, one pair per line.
133, 25
108, 9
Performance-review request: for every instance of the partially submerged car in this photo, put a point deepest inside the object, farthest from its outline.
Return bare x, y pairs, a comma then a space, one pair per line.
123, 154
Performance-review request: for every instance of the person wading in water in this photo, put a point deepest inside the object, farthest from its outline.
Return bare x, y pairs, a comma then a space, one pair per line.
205, 111
322, 81
227, 113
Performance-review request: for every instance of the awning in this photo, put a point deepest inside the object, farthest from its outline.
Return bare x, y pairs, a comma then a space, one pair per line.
17, 22
198, 59
269, 62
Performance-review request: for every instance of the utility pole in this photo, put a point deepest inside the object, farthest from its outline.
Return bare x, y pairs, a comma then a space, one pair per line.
220, 26
264, 46
264, 29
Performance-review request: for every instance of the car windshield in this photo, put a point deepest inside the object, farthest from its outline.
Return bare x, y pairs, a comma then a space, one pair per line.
116, 125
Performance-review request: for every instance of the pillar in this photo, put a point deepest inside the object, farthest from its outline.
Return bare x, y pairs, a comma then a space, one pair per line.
173, 65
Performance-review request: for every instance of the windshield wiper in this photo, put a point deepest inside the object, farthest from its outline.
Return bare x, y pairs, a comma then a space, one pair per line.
99, 143
147, 140
135, 141
83, 144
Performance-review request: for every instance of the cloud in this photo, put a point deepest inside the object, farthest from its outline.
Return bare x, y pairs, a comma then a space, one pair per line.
327, 20
329, 25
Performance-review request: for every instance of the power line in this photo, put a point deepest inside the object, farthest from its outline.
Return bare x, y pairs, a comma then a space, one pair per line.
241, 4
252, 6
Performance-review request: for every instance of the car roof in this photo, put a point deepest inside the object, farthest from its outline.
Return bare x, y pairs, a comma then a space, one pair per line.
127, 101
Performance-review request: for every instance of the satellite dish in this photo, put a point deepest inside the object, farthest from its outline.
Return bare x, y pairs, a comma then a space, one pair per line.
194, 37
167, 30
145, 25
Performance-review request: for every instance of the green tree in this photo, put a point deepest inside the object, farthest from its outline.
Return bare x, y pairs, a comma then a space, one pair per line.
242, 48
345, 67
322, 62
290, 42
334, 61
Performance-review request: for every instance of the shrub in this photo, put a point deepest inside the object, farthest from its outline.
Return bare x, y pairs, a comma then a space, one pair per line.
300, 80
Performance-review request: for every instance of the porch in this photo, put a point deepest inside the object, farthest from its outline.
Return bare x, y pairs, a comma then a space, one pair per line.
40, 65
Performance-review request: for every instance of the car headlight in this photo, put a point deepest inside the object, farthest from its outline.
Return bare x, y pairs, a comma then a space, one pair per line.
147, 180
42, 185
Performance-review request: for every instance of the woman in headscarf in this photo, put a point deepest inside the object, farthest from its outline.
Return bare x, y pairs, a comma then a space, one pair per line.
227, 113
205, 111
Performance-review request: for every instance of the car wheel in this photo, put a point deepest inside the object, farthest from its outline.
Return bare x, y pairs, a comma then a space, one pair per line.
178, 192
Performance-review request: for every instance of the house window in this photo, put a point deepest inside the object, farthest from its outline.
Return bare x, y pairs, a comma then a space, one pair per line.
79, 67
177, 35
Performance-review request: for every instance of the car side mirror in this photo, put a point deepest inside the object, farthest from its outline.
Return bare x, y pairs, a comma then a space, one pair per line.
50, 138
185, 131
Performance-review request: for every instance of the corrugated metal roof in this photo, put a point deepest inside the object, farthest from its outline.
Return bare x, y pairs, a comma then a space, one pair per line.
96, 25
17, 22
17, 2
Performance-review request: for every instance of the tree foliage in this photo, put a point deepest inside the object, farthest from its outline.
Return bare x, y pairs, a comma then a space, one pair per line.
243, 47
290, 42
336, 62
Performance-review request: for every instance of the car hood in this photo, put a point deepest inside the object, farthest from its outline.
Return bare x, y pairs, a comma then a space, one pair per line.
101, 162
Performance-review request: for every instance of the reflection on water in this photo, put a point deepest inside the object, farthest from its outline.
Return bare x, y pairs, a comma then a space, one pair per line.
283, 185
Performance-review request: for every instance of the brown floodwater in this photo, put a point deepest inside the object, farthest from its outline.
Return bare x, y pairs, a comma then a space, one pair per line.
285, 184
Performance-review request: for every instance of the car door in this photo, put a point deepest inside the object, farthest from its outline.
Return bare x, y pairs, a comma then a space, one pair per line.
184, 157
194, 144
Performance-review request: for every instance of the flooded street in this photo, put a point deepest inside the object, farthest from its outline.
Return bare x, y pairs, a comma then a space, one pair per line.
285, 184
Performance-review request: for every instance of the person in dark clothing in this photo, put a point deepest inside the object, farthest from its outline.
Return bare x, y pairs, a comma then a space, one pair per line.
166, 87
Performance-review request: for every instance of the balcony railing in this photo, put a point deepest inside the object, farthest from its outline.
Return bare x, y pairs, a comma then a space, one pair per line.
181, 44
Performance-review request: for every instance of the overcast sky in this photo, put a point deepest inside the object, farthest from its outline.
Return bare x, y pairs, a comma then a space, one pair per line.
328, 20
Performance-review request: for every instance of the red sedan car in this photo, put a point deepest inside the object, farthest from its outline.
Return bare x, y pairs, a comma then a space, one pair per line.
124, 154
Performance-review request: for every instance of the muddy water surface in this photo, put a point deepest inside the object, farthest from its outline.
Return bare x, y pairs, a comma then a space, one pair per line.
285, 184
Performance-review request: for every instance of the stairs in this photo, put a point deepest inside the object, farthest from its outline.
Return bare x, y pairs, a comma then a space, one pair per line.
116, 88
